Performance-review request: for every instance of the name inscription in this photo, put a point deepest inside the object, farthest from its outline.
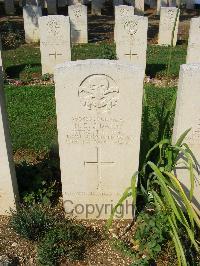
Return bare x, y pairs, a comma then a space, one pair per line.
97, 130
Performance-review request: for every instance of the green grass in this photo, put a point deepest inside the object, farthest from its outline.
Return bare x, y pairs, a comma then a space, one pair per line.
32, 116
25, 60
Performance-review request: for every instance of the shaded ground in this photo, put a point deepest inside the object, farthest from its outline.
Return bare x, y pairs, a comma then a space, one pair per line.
101, 28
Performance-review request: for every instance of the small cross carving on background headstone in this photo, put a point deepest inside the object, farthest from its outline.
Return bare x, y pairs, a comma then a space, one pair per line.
99, 163
130, 54
55, 54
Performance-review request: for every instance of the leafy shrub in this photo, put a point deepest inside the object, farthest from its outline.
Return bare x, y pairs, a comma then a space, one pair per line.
160, 187
152, 230
31, 222
107, 52
65, 240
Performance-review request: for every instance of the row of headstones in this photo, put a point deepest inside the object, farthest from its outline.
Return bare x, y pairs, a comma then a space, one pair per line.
97, 5
130, 33
52, 5
99, 110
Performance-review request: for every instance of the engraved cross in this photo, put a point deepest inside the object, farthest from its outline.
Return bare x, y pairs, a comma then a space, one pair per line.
99, 163
55, 54
130, 54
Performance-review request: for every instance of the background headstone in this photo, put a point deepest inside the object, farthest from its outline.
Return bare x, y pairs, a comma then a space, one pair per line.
9, 7
31, 15
166, 26
99, 109
54, 41
190, 4
51, 7
188, 116
8, 182
121, 14
193, 49
78, 23
132, 45
139, 7
117, 2
97, 6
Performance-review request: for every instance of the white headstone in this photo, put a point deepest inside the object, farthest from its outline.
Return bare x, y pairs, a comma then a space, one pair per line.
62, 3
99, 109
121, 14
8, 182
78, 22
132, 45
118, 2
188, 116
168, 17
153, 3
9, 7
190, 4
31, 15
1, 64
97, 5
161, 3
193, 50
54, 41
51, 7
139, 7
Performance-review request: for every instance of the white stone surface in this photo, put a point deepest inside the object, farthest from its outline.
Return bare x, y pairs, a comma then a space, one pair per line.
188, 116
121, 14
54, 41
62, 3
31, 15
167, 22
97, 6
8, 183
118, 2
1, 64
51, 7
190, 4
193, 49
139, 7
132, 45
9, 7
161, 3
78, 22
99, 109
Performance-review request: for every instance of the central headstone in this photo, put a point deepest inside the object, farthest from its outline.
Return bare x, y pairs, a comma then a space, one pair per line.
131, 42
99, 108
78, 22
8, 182
31, 15
168, 27
54, 41
188, 116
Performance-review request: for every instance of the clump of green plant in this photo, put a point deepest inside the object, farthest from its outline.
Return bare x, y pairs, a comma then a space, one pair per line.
65, 240
46, 77
159, 186
31, 222
152, 229
39, 183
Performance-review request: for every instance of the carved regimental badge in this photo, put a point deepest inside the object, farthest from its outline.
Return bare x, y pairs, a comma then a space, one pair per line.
98, 92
